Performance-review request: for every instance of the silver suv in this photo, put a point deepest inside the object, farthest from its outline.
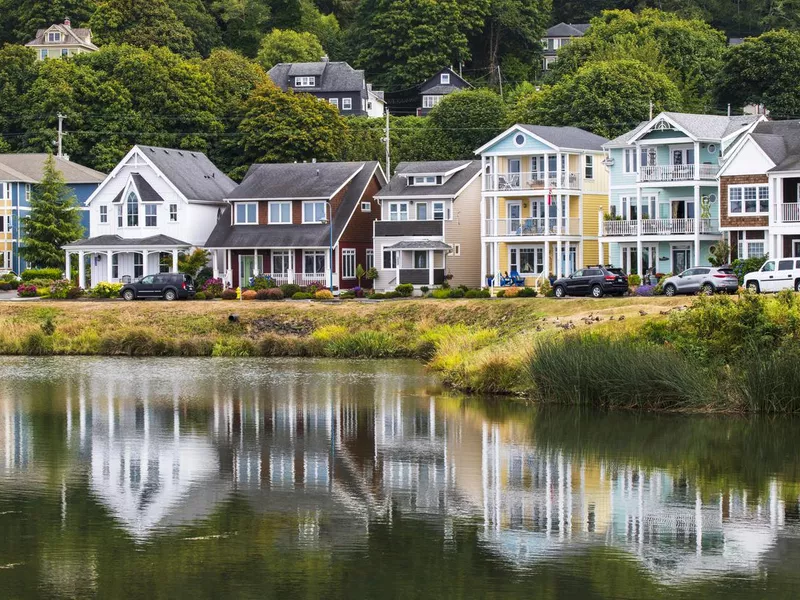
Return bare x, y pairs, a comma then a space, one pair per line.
704, 280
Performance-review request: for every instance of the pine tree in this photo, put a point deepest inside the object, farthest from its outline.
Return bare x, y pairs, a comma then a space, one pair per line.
53, 221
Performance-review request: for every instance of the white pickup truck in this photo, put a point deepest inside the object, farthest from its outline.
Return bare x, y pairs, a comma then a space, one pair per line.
774, 276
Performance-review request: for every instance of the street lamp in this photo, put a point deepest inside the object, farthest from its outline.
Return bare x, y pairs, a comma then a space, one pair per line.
330, 244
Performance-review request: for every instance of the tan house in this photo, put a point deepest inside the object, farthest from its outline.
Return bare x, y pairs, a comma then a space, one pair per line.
430, 225
61, 40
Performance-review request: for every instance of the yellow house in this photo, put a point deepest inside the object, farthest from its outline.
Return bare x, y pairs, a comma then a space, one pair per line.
542, 188
61, 40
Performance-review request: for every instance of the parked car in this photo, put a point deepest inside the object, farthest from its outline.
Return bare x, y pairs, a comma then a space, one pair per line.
169, 286
774, 276
595, 281
704, 280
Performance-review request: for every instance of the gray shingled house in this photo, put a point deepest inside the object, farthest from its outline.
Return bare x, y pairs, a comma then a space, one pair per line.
437, 87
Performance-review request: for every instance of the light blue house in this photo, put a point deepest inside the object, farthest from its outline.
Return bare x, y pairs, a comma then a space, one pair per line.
663, 211
18, 174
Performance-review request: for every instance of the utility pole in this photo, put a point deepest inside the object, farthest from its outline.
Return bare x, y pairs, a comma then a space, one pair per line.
60, 134
386, 141
729, 109
500, 80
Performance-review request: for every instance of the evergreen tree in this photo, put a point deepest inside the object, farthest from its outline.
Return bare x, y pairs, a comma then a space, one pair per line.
53, 221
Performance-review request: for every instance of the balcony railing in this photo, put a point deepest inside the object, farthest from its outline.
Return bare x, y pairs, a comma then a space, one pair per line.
790, 212
658, 227
671, 173
516, 182
533, 227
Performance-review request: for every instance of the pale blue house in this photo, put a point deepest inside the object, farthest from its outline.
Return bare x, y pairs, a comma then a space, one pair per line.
663, 211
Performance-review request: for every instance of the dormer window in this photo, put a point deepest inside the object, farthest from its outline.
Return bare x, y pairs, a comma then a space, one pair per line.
132, 210
444, 79
53, 37
426, 180
305, 81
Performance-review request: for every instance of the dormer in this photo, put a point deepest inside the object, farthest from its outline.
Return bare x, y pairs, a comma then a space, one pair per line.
425, 180
444, 78
305, 81
54, 36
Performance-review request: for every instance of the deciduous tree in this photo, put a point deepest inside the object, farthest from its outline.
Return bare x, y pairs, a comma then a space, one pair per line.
285, 45
464, 121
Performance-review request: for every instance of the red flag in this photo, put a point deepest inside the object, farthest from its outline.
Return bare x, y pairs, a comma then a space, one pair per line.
549, 196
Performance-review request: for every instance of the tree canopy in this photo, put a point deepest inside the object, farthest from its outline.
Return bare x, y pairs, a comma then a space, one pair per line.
288, 46
466, 120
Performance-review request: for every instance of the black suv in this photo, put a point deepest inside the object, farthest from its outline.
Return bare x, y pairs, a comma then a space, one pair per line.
595, 281
169, 286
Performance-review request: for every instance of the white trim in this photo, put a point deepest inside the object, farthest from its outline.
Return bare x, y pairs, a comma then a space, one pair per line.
346, 253
737, 148
310, 203
236, 213
269, 213
743, 212
649, 128
519, 128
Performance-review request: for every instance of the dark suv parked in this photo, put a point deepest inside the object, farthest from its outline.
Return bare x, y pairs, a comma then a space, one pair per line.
169, 286
595, 281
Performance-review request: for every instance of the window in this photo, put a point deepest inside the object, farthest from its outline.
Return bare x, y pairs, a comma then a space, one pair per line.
751, 249
748, 199
246, 213
43, 53
138, 265
366, 207
424, 180
104, 214
115, 266
456, 249
305, 81
422, 211
519, 140
349, 263
334, 101
164, 262
133, 210
420, 259
280, 212
785, 265
281, 262
438, 211
370, 259
64, 52
119, 215
630, 164
173, 213
444, 79
314, 212
389, 259
27, 193
430, 101
526, 260
769, 266
398, 211
151, 215
314, 262
588, 171
347, 104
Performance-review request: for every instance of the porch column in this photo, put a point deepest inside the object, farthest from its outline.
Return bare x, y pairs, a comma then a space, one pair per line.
497, 257
580, 264
495, 212
484, 230
430, 268
109, 258
697, 222
547, 258
67, 265
558, 259
600, 257
559, 214
255, 262
484, 183
81, 269
559, 171
175, 260
145, 256
214, 264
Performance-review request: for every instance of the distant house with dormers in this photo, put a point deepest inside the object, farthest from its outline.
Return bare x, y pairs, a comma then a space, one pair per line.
61, 40
437, 87
557, 37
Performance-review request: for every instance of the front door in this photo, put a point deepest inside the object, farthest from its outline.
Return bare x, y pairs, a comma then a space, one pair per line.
680, 260
514, 172
514, 218
247, 268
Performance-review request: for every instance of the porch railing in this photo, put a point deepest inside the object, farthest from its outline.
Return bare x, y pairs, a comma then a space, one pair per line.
512, 182
790, 212
670, 173
658, 227
302, 279
533, 227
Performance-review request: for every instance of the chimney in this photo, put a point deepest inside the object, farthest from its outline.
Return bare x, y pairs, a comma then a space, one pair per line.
325, 58
67, 23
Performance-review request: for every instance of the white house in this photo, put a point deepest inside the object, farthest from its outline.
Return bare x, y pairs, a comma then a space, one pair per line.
156, 203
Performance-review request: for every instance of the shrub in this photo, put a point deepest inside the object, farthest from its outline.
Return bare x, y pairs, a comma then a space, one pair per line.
634, 279
213, 288
527, 292
323, 295
249, 295
42, 274
9, 278
658, 290
269, 294
61, 289
478, 294
228, 294
302, 296
358, 292
377, 296
105, 289
457, 293
27, 291
372, 273
37, 343
646, 290
442, 294
501, 294
7, 287
348, 295
546, 289
743, 266
424, 289
404, 289
263, 283
48, 327
289, 289
200, 296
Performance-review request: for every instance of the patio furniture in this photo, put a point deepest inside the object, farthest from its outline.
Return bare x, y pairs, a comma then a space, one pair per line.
516, 279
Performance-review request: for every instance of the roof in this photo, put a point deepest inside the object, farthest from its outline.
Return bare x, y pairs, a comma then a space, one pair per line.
331, 76
295, 180
420, 245
563, 30
110, 241
192, 173
30, 169
432, 86
625, 137
71, 37
398, 188
780, 141
226, 235
567, 137
146, 191
701, 127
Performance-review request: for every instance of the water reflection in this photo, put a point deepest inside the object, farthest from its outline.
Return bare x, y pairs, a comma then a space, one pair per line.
345, 449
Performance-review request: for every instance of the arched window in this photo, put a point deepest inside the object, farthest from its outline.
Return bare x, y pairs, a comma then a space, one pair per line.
133, 210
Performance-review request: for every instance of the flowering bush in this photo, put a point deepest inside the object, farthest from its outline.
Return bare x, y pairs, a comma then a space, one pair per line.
323, 295
646, 290
263, 283
27, 291
358, 292
61, 289
213, 287
105, 290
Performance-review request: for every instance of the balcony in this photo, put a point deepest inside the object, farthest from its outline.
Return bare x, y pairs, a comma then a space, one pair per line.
790, 212
657, 227
677, 173
522, 182
533, 227
409, 228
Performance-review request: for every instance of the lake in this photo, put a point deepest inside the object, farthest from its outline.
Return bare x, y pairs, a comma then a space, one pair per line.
250, 478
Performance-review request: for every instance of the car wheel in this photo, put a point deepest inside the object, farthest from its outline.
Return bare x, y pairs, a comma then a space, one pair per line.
129, 295
670, 290
707, 289
597, 291
559, 292
170, 295
797, 285
752, 286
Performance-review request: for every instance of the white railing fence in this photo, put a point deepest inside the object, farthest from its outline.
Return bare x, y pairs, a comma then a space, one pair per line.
657, 227
677, 172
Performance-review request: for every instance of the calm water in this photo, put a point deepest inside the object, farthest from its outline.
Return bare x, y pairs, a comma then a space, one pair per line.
282, 479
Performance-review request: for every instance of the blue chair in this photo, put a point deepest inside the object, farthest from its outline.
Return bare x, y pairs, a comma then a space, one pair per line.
504, 281
517, 279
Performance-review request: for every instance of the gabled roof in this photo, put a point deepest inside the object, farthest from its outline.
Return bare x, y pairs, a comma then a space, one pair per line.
192, 173
559, 138
330, 76
111, 240
146, 191
30, 168
420, 245
698, 127
622, 140
780, 141
462, 172
70, 37
295, 181
315, 235
432, 86
563, 30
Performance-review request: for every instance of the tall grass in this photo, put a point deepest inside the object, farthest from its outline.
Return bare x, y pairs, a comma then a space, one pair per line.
617, 373
770, 382
363, 344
